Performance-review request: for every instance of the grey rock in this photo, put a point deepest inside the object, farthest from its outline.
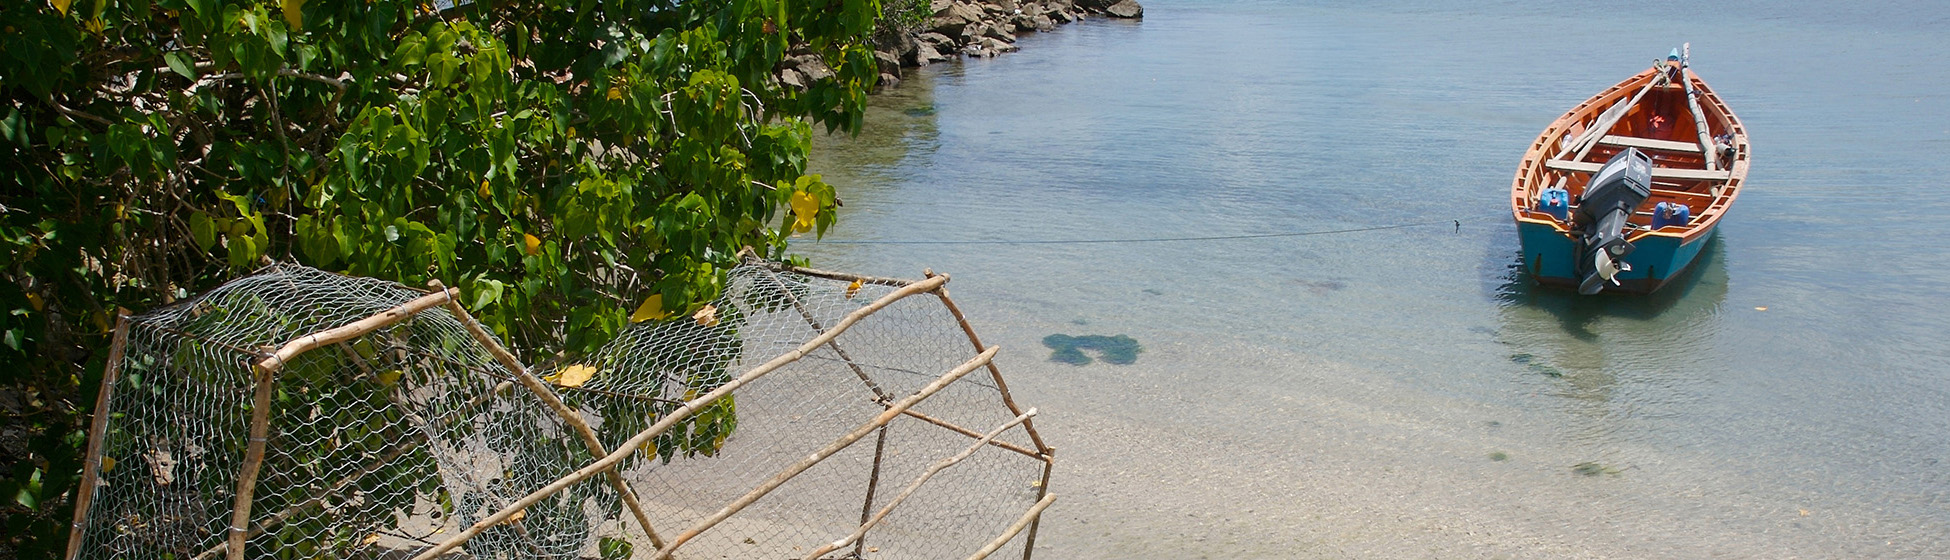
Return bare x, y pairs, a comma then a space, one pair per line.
997, 46
997, 32
925, 55
793, 78
888, 81
889, 63
813, 68
1007, 6
1062, 16
1126, 9
1043, 23
935, 40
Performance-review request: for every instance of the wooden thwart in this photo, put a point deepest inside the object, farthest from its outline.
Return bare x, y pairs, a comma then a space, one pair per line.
1649, 144
1657, 172
1034, 514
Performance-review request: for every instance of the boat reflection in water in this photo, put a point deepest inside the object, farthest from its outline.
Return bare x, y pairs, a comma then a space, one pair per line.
1616, 359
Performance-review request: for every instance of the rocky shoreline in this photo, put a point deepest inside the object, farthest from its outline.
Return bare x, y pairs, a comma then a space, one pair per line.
957, 28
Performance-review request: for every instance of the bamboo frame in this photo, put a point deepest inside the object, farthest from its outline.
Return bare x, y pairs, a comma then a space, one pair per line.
554, 402
97, 432
836, 446
287, 513
878, 393
868, 524
1034, 515
974, 434
265, 377
679, 414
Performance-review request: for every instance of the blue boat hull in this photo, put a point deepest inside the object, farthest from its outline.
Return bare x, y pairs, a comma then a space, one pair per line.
1550, 256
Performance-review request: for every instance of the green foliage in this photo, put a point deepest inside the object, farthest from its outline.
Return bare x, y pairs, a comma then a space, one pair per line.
558, 161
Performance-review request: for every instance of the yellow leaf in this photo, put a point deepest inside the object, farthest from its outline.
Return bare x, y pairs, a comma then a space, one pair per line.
574, 376
533, 244
108, 463
615, 93
388, 378
294, 12
35, 300
370, 539
485, 193
804, 205
62, 5
708, 316
572, 132
853, 289
652, 308
519, 515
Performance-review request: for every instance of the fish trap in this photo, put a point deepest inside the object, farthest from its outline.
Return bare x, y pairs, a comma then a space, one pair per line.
803, 414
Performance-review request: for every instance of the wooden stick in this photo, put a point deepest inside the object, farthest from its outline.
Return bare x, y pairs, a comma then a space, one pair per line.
1029, 544
860, 432
265, 374
1035, 513
1692, 103
287, 513
675, 416
878, 393
916, 485
1589, 139
831, 275
974, 434
98, 431
542, 391
996, 374
383, 319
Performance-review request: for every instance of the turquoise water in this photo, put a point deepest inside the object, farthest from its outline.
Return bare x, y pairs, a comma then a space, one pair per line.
1402, 392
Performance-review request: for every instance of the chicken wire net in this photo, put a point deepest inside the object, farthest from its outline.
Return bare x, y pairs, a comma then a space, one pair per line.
396, 440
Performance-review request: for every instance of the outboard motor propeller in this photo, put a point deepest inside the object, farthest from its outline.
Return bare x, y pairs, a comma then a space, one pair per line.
1616, 191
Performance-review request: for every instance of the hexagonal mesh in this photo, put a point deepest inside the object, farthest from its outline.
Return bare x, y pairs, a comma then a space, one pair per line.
806, 414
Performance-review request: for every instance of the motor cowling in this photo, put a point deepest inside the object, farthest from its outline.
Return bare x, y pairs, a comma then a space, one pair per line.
1615, 192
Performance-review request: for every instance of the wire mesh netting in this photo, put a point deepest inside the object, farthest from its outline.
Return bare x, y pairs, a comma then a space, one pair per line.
390, 438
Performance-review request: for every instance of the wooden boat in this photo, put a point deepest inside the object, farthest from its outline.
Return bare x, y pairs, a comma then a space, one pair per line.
1665, 140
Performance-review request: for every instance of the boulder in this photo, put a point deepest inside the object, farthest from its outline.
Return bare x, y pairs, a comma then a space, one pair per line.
925, 55
938, 41
997, 32
793, 78
1007, 6
936, 6
1126, 9
998, 47
1094, 5
1062, 16
812, 67
1043, 23
889, 63
953, 19
888, 81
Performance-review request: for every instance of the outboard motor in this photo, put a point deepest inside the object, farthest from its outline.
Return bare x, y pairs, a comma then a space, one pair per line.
1616, 190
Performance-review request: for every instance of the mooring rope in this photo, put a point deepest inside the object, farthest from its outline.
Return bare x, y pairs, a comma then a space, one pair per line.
1458, 224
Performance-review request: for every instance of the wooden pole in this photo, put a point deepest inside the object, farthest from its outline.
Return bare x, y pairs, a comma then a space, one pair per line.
1699, 117
1049, 465
318, 498
972, 433
675, 416
939, 466
98, 431
860, 432
265, 376
1585, 142
1035, 513
878, 393
994, 373
554, 402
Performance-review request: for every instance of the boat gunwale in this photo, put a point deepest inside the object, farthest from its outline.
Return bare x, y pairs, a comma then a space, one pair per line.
1532, 169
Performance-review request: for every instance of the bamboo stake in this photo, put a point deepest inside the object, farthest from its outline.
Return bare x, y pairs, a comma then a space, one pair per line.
939, 466
265, 375
675, 416
1699, 117
860, 432
1035, 513
541, 391
995, 373
98, 431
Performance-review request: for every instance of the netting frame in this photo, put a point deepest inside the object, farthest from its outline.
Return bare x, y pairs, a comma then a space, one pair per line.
442, 299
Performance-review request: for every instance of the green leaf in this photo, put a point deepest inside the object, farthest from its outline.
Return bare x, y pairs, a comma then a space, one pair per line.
180, 63
202, 231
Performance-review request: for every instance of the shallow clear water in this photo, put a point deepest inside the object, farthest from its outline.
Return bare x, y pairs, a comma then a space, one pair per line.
1402, 393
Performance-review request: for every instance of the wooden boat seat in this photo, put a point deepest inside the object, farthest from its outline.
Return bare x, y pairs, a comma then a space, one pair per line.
1657, 172
1649, 144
